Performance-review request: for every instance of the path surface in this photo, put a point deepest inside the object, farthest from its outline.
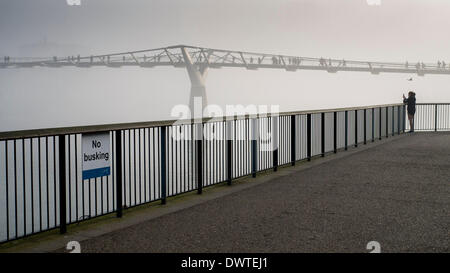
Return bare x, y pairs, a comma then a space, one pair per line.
397, 193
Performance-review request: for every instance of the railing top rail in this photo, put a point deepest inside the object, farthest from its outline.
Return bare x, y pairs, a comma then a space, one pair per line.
337, 109
433, 103
10, 135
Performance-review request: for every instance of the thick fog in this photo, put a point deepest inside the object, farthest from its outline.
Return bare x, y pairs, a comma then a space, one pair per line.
395, 30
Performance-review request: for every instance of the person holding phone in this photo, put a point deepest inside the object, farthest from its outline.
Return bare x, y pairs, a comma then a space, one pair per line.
411, 102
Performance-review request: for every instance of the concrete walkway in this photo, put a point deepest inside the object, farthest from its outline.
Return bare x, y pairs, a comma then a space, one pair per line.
397, 193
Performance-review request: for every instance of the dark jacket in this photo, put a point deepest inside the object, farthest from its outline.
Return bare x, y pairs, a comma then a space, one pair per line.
411, 101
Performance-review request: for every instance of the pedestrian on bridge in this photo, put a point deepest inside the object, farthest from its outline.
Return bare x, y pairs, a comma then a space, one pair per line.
411, 102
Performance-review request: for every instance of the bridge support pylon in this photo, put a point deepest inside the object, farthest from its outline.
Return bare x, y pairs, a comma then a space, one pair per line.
197, 75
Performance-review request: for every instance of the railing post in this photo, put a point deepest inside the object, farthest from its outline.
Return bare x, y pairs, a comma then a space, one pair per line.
118, 168
398, 120
163, 165
322, 120
308, 136
373, 124
393, 121
199, 141
404, 118
356, 128
335, 132
293, 140
380, 123
229, 152
387, 122
254, 146
62, 185
365, 126
275, 142
346, 130
435, 117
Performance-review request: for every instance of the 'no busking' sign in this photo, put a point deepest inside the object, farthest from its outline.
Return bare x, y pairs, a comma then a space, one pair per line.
95, 155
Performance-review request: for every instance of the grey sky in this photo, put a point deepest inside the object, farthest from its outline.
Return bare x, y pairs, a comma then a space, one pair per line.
397, 30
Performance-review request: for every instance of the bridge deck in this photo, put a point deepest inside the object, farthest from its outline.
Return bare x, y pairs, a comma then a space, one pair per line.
396, 192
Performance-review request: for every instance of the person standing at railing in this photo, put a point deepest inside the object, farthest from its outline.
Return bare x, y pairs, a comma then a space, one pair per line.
411, 102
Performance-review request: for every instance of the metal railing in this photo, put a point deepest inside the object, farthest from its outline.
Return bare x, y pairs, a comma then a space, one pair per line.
431, 117
155, 160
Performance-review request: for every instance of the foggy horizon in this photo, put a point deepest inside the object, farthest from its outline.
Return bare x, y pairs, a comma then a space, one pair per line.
394, 31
